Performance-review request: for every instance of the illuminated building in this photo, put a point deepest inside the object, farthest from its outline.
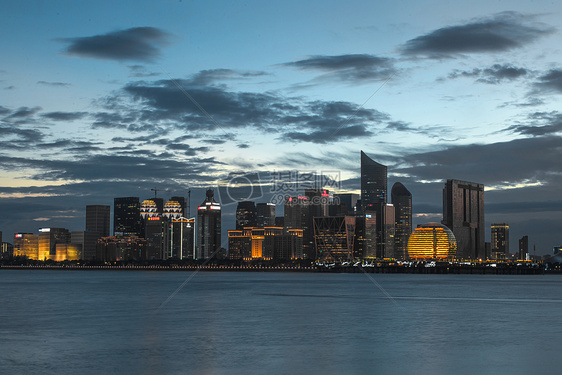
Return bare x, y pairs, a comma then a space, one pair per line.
156, 234
265, 215
365, 236
97, 219
523, 247
148, 209
334, 237
126, 216
373, 183
297, 216
208, 227
48, 240
87, 242
7, 248
173, 210
499, 241
239, 244
117, 248
265, 243
402, 202
67, 251
432, 241
246, 215
182, 233
374, 200
183, 204
463, 213
26, 244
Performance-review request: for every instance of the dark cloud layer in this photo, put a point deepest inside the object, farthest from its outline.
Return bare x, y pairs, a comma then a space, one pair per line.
196, 110
539, 124
136, 44
495, 74
353, 68
504, 31
551, 81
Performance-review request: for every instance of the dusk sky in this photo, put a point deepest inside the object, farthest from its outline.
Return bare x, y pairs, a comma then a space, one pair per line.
109, 99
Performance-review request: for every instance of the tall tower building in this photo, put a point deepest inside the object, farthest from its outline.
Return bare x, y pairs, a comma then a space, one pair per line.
463, 213
374, 201
126, 216
183, 204
402, 201
266, 215
523, 247
26, 244
246, 215
97, 219
499, 240
373, 183
208, 227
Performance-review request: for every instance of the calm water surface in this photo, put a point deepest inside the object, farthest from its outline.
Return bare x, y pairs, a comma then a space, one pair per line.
109, 322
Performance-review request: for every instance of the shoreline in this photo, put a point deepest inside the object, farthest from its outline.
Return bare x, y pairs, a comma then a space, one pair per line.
389, 269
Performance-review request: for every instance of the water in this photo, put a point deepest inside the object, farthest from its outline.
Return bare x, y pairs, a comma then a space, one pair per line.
109, 322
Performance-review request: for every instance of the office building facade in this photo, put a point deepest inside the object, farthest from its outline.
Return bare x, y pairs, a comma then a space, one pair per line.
463, 213
98, 219
402, 201
208, 227
126, 216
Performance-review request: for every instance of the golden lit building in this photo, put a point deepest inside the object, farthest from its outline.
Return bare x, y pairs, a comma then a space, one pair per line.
432, 241
265, 243
26, 244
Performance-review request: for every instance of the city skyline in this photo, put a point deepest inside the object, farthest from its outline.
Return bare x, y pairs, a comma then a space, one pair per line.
175, 96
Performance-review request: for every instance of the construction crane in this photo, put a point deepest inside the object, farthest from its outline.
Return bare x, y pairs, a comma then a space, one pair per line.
155, 190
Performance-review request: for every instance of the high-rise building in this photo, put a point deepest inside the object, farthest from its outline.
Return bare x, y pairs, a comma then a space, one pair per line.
334, 238
126, 216
87, 242
499, 240
374, 201
183, 204
117, 248
432, 241
156, 232
402, 202
523, 247
265, 215
48, 240
373, 184
26, 244
246, 215
182, 234
297, 216
349, 201
208, 227
365, 246
463, 213
387, 233
97, 219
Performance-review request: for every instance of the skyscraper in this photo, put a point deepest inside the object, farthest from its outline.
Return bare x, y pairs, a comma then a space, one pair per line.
373, 201
373, 184
246, 215
402, 201
499, 240
97, 219
126, 216
297, 216
183, 203
26, 244
265, 215
523, 247
208, 227
463, 213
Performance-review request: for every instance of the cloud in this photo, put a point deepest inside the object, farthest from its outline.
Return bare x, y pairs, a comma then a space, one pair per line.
211, 76
169, 105
495, 74
64, 116
539, 124
134, 44
54, 84
353, 68
141, 71
23, 115
551, 81
502, 32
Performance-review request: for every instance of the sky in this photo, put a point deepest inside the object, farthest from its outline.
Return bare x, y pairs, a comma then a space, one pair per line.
114, 98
